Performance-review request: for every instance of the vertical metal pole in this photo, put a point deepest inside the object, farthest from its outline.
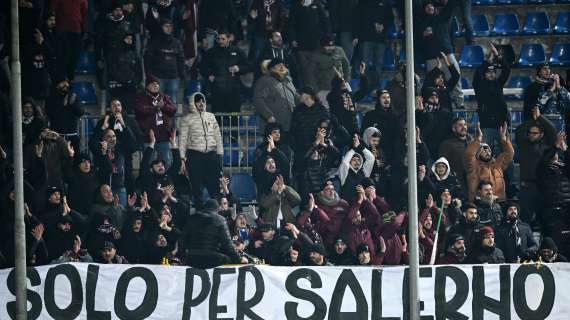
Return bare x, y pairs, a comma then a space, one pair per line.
413, 245
19, 226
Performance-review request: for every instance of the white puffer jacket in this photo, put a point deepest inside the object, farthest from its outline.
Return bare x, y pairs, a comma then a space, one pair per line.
199, 131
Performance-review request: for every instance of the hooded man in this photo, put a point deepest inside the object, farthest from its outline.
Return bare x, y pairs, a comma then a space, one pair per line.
165, 60
341, 255
32, 123
515, 237
222, 66
134, 241
354, 168
480, 165
434, 122
155, 111
485, 250
549, 251
201, 146
455, 253
380, 175
443, 178
391, 233
360, 228
318, 256
453, 148
275, 96
206, 242
108, 255
61, 236
342, 100
37, 60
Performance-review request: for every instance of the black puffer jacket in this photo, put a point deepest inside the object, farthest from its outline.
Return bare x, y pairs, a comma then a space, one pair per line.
124, 65
303, 126
554, 182
486, 255
335, 98
308, 25
491, 104
392, 130
217, 62
207, 231
515, 238
165, 57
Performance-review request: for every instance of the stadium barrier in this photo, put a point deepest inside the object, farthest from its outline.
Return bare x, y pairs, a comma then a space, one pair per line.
93, 291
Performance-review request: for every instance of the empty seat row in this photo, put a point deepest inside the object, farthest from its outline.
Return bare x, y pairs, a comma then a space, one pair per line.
531, 55
507, 24
515, 2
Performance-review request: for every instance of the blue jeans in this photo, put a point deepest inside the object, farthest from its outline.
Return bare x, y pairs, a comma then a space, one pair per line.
162, 151
373, 55
345, 41
170, 88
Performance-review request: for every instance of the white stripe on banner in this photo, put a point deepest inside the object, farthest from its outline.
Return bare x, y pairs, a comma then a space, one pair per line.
93, 291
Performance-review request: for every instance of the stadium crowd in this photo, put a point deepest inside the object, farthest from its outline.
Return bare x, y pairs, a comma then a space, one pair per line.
331, 188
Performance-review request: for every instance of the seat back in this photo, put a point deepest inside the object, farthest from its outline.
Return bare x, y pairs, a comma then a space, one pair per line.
85, 92
560, 54
506, 24
86, 63
531, 55
243, 187
480, 25
537, 23
562, 23
471, 56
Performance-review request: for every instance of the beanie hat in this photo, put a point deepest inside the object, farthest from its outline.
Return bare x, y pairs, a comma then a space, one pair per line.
150, 79
83, 156
548, 243
485, 231
453, 238
275, 61
317, 247
428, 92
327, 182
327, 40
363, 247
51, 190
509, 204
108, 245
157, 161
367, 182
308, 90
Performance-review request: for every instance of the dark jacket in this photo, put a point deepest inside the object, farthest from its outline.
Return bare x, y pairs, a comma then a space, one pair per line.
110, 35
216, 15
554, 182
369, 12
529, 152
217, 62
207, 231
491, 104
150, 182
444, 91
63, 112
489, 214
268, 19
342, 15
439, 40
165, 57
435, 127
304, 122
392, 130
469, 231
111, 165
486, 255
549, 102
124, 66
336, 97
453, 149
81, 187
516, 240
308, 25
36, 63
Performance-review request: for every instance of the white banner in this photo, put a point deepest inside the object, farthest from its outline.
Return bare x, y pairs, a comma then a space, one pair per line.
93, 291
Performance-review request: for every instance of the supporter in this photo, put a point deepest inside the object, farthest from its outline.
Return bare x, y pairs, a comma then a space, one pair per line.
106, 207
133, 11
275, 97
427, 229
108, 255
485, 250
75, 254
354, 168
201, 147
55, 207
32, 122
341, 255
468, 226
230, 205
53, 40
435, 79
134, 241
117, 119
327, 63
266, 244
381, 170
124, 72
71, 21
391, 233
359, 227
158, 12
342, 17
488, 208
240, 229
62, 236
491, 105
222, 66
549, 251
453, 148
189, 26
547, 92
317, 256
268, 166
433, 121
342, 101
364, 256
276, 49
265, 17
277, 148
277, 205
319, 162
335, 208
515, 237
434, 28
387, 122
372, 18
307, 25
554, 188
533, 138
37, 251
37, 58
480, 165
313, 221
164, 59
111, 32
63, 110
155, 110
48, 153
444, 178
455, 250
451, 208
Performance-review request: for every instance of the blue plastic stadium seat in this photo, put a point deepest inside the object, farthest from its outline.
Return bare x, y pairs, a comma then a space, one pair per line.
389, 59
480, 25
392, 32
242, 186
517, 82
86, 63
506, 24
482, 2
457, 30
531, 55
85, 92
562, 25
560, 54
192, 86
466, 85
536, 23
471, 56
231, 154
